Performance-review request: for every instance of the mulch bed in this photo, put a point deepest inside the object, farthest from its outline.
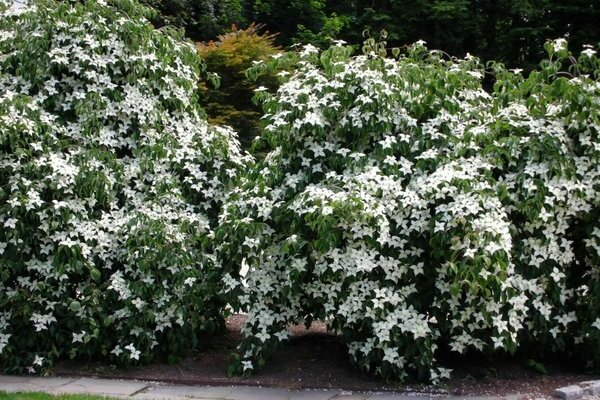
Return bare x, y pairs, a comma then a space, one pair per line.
315, 359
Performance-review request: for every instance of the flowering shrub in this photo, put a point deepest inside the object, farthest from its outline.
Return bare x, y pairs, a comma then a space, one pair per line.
547, 147
412, 210
110, 183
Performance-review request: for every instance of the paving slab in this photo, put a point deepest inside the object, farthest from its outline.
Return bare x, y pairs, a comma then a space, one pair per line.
107, 387
10, 383
13, 378
159, 392
150, 396
313, 394
487, 398
404, 396
351, 396
257, 393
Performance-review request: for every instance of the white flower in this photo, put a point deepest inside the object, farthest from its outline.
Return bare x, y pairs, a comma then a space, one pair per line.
10, 223
117, 350
327, 210
308, 49
282, 335
417, 269
190, 281
138, 303
493, 247
444, 373
559, 44
38, 360
263, 336
588, 53
390, 354
133, 353
557, 275
470, 252
4, 341
247, 365
78, 337
498, 342
293, 238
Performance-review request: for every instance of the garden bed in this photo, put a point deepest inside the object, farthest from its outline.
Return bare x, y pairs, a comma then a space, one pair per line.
318, 360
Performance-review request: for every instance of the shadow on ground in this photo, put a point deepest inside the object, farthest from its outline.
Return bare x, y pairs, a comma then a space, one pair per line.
316, 359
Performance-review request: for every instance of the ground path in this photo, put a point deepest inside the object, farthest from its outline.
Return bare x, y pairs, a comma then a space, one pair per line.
155, 391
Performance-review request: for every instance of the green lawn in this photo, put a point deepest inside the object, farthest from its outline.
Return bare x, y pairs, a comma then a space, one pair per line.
46, 396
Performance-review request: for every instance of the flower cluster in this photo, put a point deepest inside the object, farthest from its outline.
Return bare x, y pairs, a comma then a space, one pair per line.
412, 210
110, 184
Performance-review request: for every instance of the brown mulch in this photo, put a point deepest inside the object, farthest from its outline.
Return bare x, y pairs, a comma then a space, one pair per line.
315, 359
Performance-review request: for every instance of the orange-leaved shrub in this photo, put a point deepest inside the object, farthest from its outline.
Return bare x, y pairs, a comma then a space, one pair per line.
229, 57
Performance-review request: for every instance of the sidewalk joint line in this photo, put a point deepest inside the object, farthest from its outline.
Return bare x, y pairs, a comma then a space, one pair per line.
69, 382
146, 387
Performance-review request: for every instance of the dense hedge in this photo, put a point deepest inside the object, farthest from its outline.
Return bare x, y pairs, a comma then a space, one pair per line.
110, 183
400, 202
414, 211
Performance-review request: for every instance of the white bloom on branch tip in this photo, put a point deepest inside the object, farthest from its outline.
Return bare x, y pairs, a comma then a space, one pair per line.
247, 365
117, 350
588, 53
39, 361
134, 354
78, 337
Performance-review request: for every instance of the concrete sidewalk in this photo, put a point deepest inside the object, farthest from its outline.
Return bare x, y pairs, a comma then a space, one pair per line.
155, 391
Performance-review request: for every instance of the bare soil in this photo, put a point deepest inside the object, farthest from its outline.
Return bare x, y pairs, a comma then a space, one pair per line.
316, 359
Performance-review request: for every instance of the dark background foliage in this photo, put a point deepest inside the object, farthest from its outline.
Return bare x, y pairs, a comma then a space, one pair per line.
509, 31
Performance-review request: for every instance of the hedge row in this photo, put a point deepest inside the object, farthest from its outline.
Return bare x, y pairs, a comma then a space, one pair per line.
110, 184
401, 202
